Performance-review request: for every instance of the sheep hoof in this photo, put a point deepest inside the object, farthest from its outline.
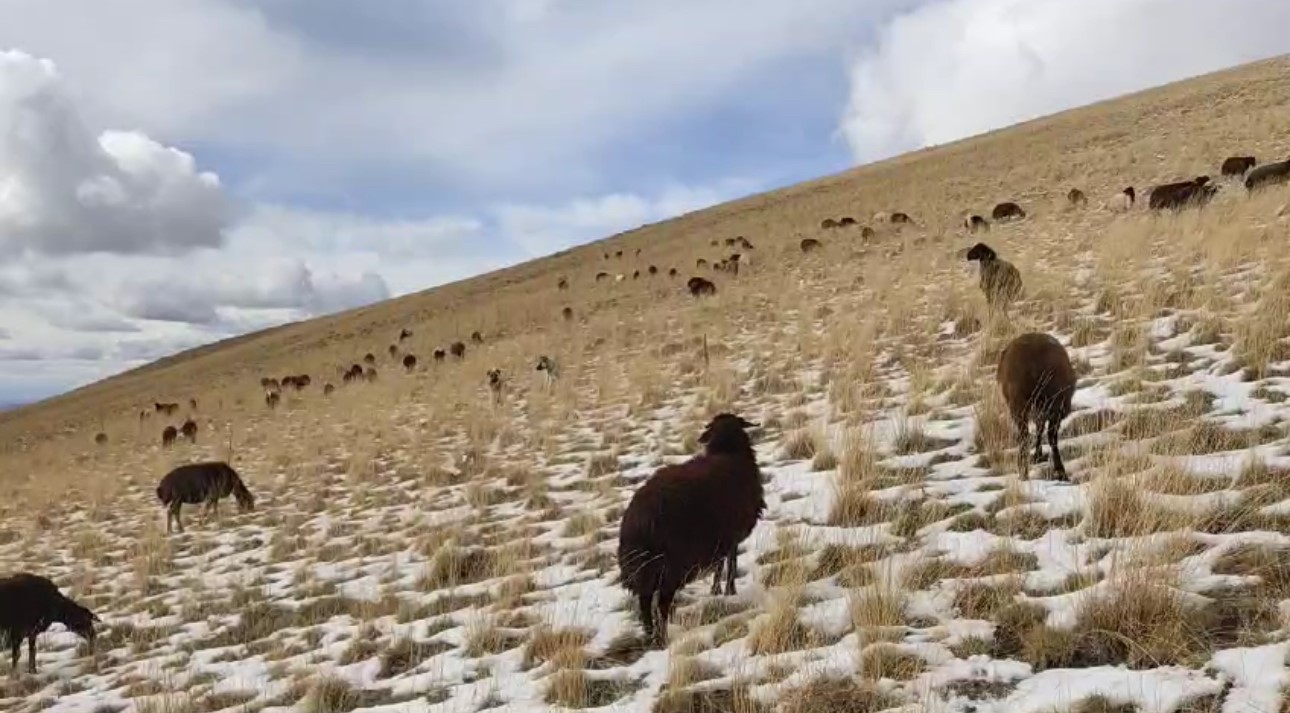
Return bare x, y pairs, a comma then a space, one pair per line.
730, 591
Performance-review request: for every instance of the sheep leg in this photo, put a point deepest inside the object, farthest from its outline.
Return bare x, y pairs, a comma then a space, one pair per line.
31, 654
730, 570
646, 601
665, 596
179, 521
716, 577
1039, 440
15, 649
1058, 468
1023, 449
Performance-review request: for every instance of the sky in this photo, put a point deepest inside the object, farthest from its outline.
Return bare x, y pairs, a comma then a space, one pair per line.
174, 172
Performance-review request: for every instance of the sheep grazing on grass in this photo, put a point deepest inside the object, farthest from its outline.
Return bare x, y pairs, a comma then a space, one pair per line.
701, 287
394, 351
369, 359
477, 337
809, 245
496, 384
1269, 174
101, 439
689, 518
1076, 198
169, 435
409, 362
370, 374
828, 224
353, 373
272, 399
1037, 381
602, 276
700, 263
975, 223
328, 389
653, 270
567, 313
550, 371
1182, 194
866, 232
1237, 165
439, 355
204, 482
673, 272
189, 430
458, 350
1123, 201
1000, 279
562, 284
899, 218
29, 603
1007, 211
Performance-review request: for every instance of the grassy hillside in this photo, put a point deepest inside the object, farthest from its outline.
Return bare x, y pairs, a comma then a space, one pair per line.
417, 547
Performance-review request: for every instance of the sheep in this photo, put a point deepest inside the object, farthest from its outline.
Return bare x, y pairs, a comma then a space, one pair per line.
353, 373
846, 221
203, 482
439, 355
370, 374
29, 603
567, 313
192, 404
404, 333
1179, 195
168, 436
636, 274
1076, 198
866, 233
976, 223
328, 389
673, 272
409, 362
1237, 165
458, 350
700, 263
496, 384
550, 371
1037, 381
809, 245
477, 337
899, 218
100, 439
394, 351
189, 430
562, 284
271, 399
1000, 279
653, 270
700, 287
602, 276
828, 224
268, 383
1268, 174
369, 359
1123, 201
1007, 211
689, 518
165, 408
744, 243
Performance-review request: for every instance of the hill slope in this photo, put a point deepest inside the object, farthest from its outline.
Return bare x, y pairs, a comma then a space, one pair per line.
417, 547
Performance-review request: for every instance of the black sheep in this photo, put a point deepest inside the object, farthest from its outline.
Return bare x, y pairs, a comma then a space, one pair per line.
1269, 174
409, 362
809, 244
189, 430
204, 482
1007, 211
700, 287
1037, 381
458, 350
29, 603
689, 518
168, 436
1000, 279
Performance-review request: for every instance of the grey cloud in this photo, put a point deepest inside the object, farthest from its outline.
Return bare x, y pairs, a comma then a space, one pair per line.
70, 191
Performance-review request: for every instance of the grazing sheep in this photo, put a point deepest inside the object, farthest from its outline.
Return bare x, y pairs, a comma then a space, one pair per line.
477, 337
394, 351
458, 350
700, 287
689, 518
619, 254
1007, 211
550, 371
866, 232
730, 242
409, 362
975, 223
353, 373
828, 224
439, 355
1123, 201
619, 277
1176, 196
653, 270
602, 276
1269, 174
145, 415
29, 603
271, 399
846, 221
204, 482
1237, 165
268, 383
899, 218
169, 435
1037, 381
1000, 279
636, 274
100, 439
370, 374
700, 263
369, 359
496, 384
673, 272
189, 430
192, 404
567, 313
809, 244
744, 243
167, 409
1076, 198
328, 389
404, 333
562, 284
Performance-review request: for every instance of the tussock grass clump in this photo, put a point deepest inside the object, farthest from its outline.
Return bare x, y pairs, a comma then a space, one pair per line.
883, 660
575, 689
563, 646
710, 700
801, 444
453, 566
836, 695
1142, 624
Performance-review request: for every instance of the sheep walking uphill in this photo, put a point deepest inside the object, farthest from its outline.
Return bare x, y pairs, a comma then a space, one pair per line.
29, 603
689, 518
204, 482
1037, 381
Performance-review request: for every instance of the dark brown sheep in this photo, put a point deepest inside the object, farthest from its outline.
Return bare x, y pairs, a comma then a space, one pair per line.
328, 389
809, 245
1037, 381
673, 272
1000, 279
618, 254
394, 351
192, 404
828, 224
1076, 198
899, 218
729, 242
602, 276
272, 398
189, 430
29, 603
745, 243
166, 408
101, 439
169, 435
701, 287
690, 518
866, 232
404, 333
1007, 211
562, 284
477, 337
567, 313
653, 270
1176, 196
370, 373
458, 350
976, 223
1237, 165
353, 373
846, 221
369, 359
700, 263
409, 362
204, 482
439, 355
1269, 174
636, 274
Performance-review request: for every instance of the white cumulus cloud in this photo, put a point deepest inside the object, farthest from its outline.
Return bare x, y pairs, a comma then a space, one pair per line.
955, 68
64, 189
